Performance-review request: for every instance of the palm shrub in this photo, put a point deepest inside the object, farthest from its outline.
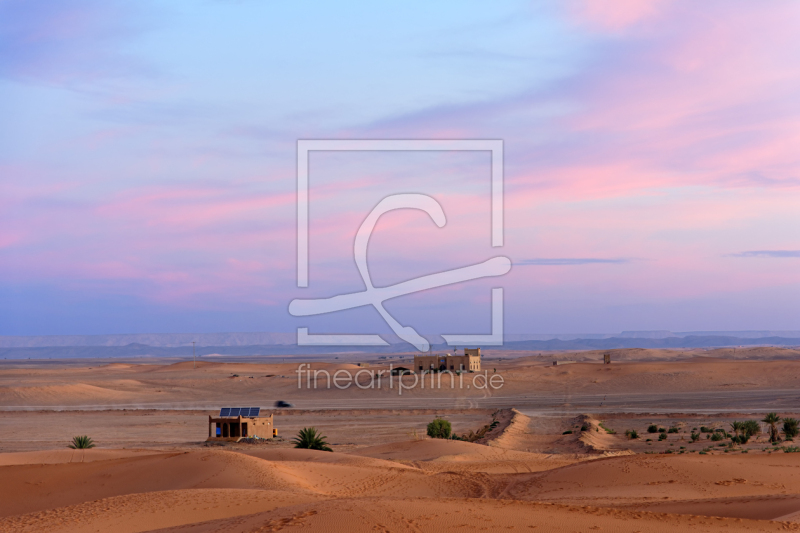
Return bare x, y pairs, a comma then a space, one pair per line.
740, 435
439, 428
81, 443
310, 439
790, 427
751, 428
772, 420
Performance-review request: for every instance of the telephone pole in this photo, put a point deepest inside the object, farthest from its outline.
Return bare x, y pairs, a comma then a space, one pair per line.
194, 364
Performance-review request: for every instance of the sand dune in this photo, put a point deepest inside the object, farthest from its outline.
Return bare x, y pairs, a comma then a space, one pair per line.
63, 394
424, 484
51, 457
468, 515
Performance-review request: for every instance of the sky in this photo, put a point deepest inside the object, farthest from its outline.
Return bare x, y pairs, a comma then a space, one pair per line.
148, 163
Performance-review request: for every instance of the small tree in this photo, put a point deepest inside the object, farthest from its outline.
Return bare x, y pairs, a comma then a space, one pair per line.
751, 428
790, 427
740, 435
652, 428
81, 443
439, 428
310, 439
772, 420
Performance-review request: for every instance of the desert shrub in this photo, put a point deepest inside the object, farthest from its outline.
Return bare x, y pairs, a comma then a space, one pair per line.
81, 443
751, 428
695, 436
632, 434
791, 449
704, 429
719, 430
790, 427
585, 427
439, 428
607, 430
567, 432
740, 439
672, 430
772, 420
652, 428
663, 436
717, 436
310, 439
662, 430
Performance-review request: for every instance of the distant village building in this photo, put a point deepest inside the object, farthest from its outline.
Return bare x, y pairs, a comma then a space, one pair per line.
469, 362
235, 423
606, 358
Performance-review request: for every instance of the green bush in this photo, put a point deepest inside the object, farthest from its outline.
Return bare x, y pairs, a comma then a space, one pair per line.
663, 436
632, 434
751, 428
439, 428
672, 430
652, 428
81, 443
310, 439
695, 436
607, 430
717, 436
704, 429
662, 430
585, 427
567, 432
790, 427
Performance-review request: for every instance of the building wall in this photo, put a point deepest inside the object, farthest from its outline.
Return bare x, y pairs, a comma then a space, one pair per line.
262, 426
467, 363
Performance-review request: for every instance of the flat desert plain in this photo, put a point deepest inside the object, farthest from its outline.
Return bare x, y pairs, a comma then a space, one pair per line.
560, 457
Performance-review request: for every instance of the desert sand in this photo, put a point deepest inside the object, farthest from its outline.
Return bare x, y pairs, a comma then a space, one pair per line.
558, 461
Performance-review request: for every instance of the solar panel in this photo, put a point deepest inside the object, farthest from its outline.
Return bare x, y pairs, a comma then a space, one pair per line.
240, 411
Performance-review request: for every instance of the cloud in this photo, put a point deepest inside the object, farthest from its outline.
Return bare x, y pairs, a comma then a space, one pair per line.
768, 253
561, 261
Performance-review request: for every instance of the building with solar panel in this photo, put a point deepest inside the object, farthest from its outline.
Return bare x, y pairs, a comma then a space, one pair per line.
236, 423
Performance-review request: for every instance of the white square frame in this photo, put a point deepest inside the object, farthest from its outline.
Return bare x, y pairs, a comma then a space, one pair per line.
305, 146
